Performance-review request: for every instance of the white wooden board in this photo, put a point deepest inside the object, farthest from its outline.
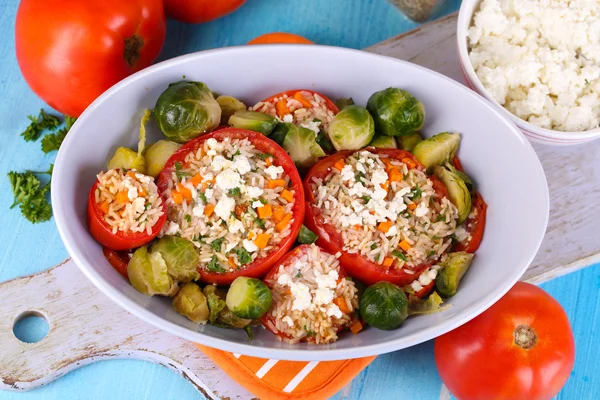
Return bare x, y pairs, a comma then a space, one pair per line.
76, 309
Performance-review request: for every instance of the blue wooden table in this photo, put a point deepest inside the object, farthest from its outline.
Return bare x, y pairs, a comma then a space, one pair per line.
27, 248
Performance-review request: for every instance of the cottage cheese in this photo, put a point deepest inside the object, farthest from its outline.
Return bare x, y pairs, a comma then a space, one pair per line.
540, 59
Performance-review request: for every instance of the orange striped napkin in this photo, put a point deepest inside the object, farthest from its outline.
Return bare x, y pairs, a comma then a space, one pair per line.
283, 380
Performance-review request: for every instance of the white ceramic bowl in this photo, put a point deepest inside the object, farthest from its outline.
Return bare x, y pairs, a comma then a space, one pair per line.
493, 151
533, 132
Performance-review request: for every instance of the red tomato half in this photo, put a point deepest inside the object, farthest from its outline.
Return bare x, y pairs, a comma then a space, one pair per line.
260, 266
118, 259
290, 93
102, 232
474, 226
331, 239
521, 348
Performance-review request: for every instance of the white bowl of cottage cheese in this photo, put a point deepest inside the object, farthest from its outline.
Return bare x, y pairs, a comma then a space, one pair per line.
539, 61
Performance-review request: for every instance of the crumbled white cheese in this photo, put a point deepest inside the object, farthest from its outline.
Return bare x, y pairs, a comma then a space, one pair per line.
424, 279
228, 179
224, 207
284, 279
347, 173
220, 163
257, 204
327, 281
289, 321
416, 286
334, 311
235, 225
241, 164
289, 118
312, 125
421, 209
302, 297
132, 193
139, 205
392, 231
323, 296
378, 177
249, 245
274, 171
198, 210
209, 193
172, 229
254, 191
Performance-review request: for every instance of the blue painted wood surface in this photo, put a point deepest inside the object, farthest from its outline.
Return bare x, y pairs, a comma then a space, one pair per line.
27, 248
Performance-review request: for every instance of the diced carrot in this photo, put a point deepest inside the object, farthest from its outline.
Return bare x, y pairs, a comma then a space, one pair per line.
409, 163
387, 262
231, 262
404, 245
273, 183
342, 305
104, 206
388, 163
177, 197
384, 226
339, 164
207, 183
122, 197
185, 192
268, 161
287, 195
298, 96
355, 326
131, 174
251, 235
196, 180
395, 175
385, 186
209, 209
280, 227
372, 212
262, 239
265, 211
412, 206
281, 108
357, 227
142, 192
278, 213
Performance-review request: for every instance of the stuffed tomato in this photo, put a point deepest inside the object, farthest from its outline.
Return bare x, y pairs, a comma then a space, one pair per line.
237, 196
312, 299
377, 207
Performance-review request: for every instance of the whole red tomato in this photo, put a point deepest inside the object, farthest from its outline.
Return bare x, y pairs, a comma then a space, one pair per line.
520, 348
197, 11
71, 51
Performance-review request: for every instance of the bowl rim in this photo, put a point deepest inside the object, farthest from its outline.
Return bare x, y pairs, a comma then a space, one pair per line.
465, 16
61, 214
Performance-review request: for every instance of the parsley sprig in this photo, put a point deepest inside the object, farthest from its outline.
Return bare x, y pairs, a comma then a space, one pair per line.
30, 195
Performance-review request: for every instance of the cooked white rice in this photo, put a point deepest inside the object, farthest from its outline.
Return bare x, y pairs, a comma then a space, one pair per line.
316, 117
231, 179
129, 200
419, 223
305, 294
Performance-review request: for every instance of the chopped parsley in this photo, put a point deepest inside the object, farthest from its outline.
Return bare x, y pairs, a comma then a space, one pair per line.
198, 238
260, 222
30, 195
235, 192
417, 193
377, 257
435, 237
359, 176
214, 266
366, 199
178, 172
203, 198
188, 218
299, 274
243, 256
399, 254
264, 201
216, 244
237, 153
309, 333
38, 124
264, 156
439, 218
430, 253
373, 246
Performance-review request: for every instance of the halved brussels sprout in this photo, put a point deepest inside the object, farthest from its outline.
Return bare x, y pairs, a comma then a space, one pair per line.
229, 105
299, 142
462, 176
457, 191
248, 298
432, 305
227, 319
306, 236
157, 155
344, 102
384, 142
254, 121
126, 158
453, 269
384, 306
409, 142
148, 274
437, 150
351, 129
216, 301
186, 110
191, 302
396, 112
180, 256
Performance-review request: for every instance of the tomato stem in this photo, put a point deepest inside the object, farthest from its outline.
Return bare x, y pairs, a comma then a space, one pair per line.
133, 46
525, 337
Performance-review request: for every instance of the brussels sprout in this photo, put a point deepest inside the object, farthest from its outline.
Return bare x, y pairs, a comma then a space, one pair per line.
229, 105
186, 110
157, 155
437, 150
457, 191
191, 302
351, 129
432, 305
384, 306
306, 236
248, 297
216, 302
453, 269
299, 142
384, 142
227, 319
323, 141
254, 121
148, 274
125, 158
465, 178
409, 142
344, 102
396, 112
181, 257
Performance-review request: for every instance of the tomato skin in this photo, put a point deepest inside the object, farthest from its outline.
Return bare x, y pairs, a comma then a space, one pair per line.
474, 226
481, 359
330, 238
117, 259
100, 230
71, 51
280, 37
260, 266
198, 11
290, 93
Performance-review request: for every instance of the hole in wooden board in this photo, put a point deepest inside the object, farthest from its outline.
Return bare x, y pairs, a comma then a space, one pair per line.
31, 327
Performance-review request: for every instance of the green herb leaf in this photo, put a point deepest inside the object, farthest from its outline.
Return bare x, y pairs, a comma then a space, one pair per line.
359, 177
30, 195
299, 274
188, 218
243, 256
235, 192
203, 198
417, 193
264, 156
216, 244
430, 253
214, 266
260, 222
309, 333
366, 199
374, 246
439, 218
53, 141
399, 254
306, 236
38, 124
